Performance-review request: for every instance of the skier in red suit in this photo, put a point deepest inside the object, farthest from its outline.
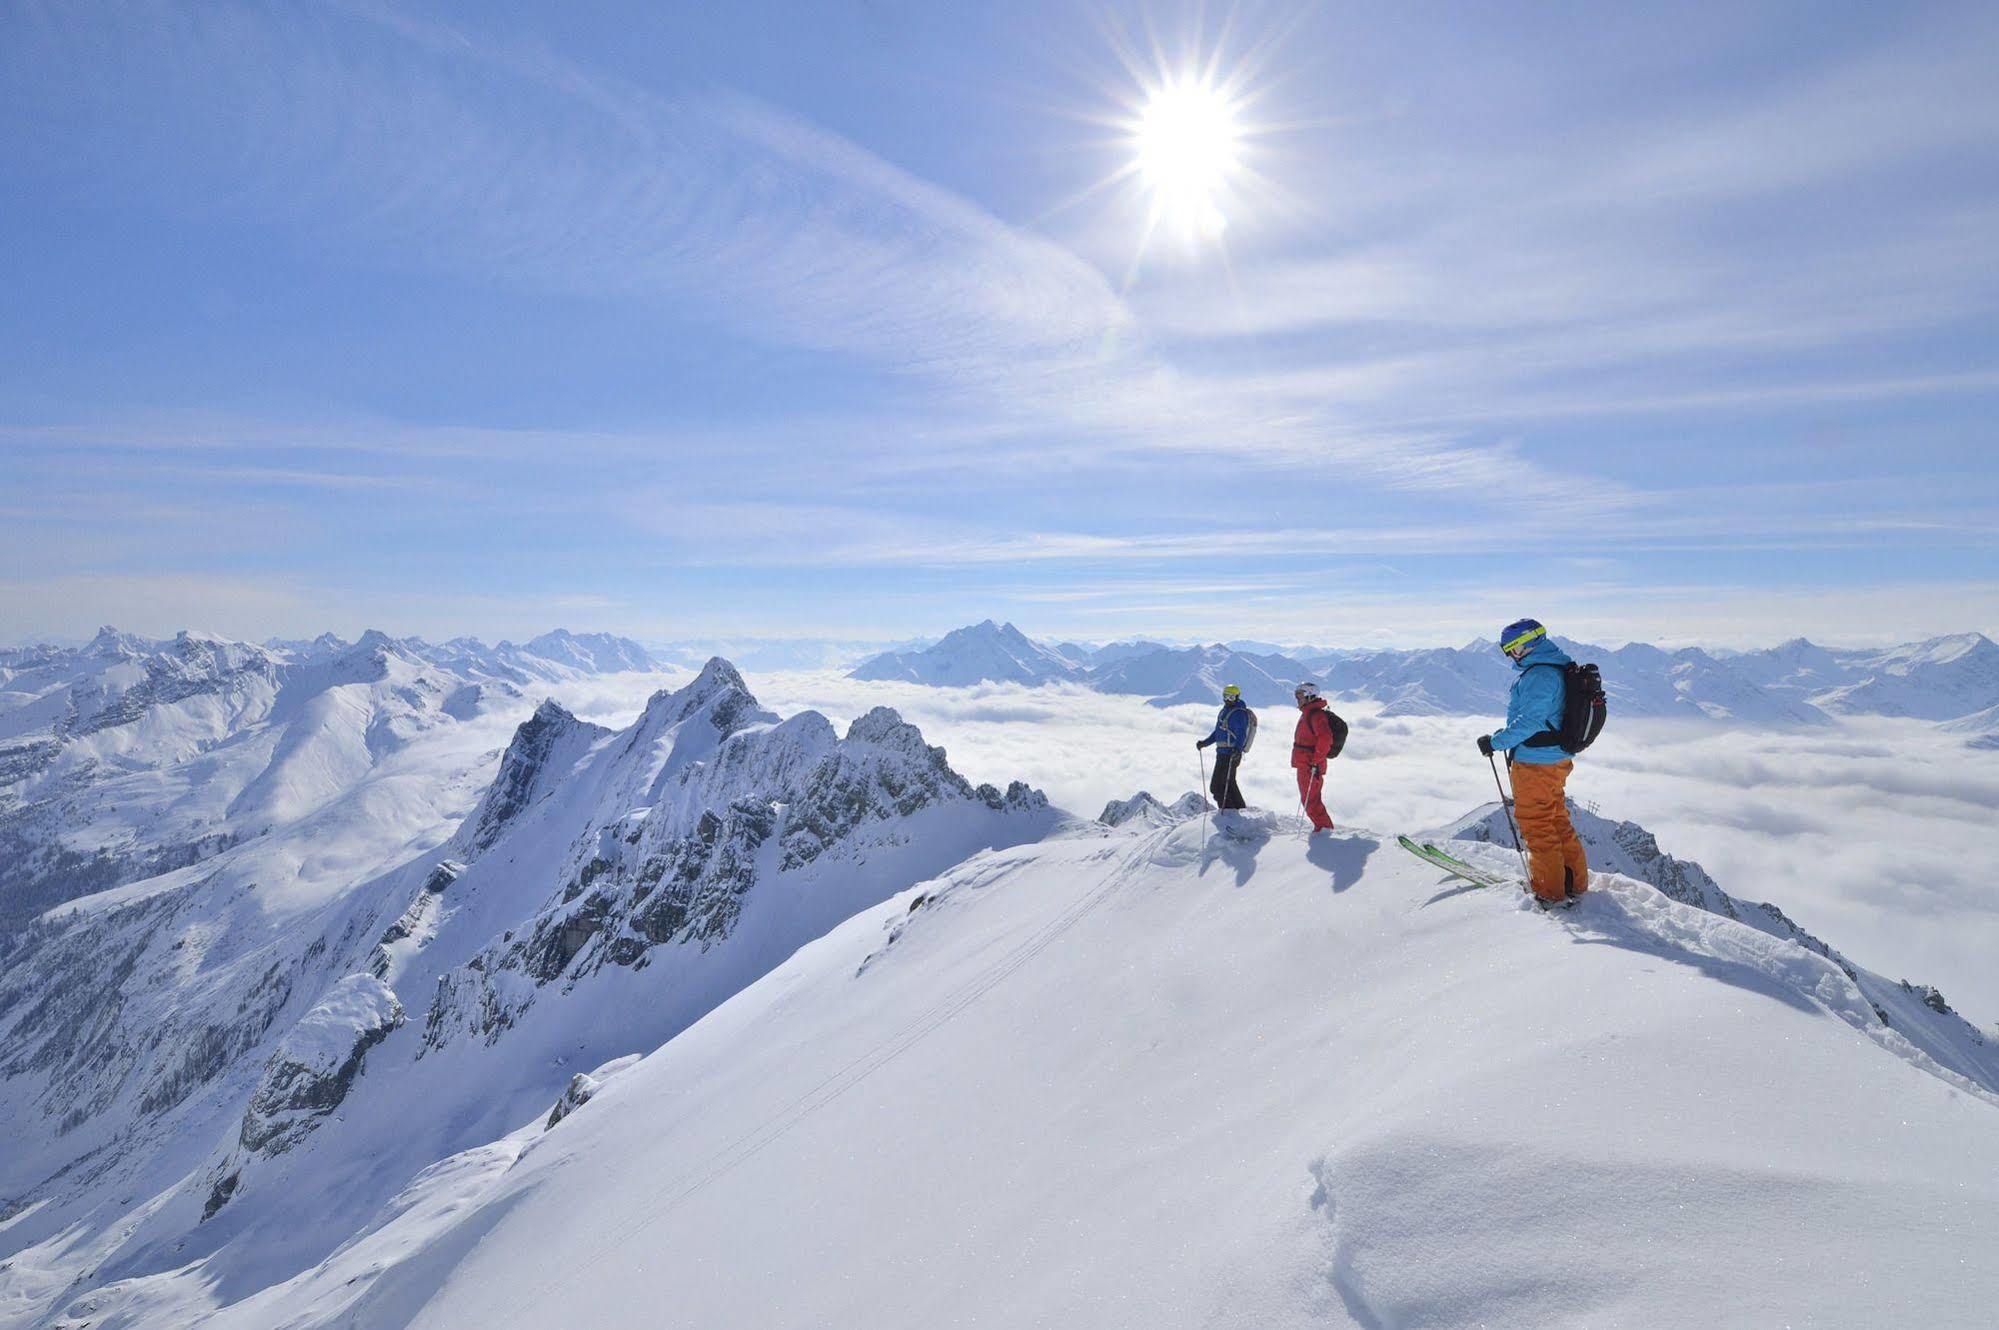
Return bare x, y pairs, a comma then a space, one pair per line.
1320, 736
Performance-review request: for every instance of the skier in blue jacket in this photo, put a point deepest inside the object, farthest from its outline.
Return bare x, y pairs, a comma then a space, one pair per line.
1538, 764
1229, 737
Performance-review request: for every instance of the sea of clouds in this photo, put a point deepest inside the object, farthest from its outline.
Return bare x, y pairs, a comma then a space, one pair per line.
1876, 834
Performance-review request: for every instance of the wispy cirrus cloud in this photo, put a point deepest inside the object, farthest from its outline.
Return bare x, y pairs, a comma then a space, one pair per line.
418, 143
1735, 249
434, 145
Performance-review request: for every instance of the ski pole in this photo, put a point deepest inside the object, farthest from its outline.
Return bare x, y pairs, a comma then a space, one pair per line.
1506, 806
1201, 757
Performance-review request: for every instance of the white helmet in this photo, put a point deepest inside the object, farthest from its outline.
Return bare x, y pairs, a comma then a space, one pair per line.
1305, 691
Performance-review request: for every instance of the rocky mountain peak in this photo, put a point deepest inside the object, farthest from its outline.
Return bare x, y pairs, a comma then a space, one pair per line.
660, 862
110, 642
532, 765
716, 675
885, 727
719, 690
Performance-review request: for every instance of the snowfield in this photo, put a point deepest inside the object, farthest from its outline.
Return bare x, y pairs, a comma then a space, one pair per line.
685, 1004
1136, 1079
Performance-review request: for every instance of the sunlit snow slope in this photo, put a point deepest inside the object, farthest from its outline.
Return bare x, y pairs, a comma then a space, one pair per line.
1126, 1077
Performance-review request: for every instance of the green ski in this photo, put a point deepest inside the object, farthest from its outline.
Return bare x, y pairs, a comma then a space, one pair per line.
1453, 865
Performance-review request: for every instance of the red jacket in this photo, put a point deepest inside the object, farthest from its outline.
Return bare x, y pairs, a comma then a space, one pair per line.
1316, 739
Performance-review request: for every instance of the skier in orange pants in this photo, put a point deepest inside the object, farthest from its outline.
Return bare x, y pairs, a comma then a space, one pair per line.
1539, 765
1554, 855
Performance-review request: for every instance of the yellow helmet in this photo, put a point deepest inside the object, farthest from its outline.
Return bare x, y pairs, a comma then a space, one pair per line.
1230, 690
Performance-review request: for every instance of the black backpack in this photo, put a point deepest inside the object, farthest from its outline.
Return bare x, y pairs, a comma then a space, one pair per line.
1336, 730
1584, 709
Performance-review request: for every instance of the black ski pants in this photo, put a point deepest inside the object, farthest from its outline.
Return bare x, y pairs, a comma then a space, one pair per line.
1223, 786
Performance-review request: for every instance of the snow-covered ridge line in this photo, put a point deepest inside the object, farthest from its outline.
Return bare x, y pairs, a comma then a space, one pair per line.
242, 1064
1167, 1080
1925, 1028
1796, 683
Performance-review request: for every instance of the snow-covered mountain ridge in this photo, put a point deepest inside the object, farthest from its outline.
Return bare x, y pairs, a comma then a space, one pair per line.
1796, 683
1129, 1076
242, 1057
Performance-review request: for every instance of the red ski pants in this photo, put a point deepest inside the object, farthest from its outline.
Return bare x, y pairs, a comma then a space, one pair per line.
1310, 785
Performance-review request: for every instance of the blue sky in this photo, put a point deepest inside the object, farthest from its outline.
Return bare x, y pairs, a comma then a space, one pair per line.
1669, 322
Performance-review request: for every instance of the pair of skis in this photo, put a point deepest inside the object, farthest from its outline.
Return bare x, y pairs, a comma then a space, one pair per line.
1458, 868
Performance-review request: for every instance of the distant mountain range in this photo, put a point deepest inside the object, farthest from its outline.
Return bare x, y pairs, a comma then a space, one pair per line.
128, 757
1951, 679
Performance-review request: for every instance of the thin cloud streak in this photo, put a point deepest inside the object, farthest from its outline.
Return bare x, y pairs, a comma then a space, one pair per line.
776, 227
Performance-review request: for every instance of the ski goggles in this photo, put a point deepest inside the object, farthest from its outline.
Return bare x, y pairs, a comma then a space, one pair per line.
1521, 642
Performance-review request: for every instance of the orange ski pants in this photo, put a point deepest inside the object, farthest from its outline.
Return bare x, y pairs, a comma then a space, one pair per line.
1555, 858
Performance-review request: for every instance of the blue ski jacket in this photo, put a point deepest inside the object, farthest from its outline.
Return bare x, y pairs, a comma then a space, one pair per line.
1536, 705
1231, 726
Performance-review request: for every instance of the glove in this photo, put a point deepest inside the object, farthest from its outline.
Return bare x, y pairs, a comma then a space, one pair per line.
1485, 745
1319, 772
1200, 743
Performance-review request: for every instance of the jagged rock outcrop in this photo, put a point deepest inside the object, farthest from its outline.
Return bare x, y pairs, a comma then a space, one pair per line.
316, 1064
179, 1041
533, 765
585, 1086
416, 925
675, 823
311, 1073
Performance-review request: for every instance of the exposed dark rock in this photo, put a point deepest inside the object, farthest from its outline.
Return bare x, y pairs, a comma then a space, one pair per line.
316, 1065
525, 773
581, 1090
219, 1194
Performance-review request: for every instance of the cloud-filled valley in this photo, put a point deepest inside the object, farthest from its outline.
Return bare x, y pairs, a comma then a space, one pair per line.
1875, 833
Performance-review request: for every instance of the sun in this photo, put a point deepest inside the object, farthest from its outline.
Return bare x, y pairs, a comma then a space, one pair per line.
1190, 149
1187, 146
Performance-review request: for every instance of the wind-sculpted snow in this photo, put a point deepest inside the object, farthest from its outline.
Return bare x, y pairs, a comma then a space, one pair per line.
1918, 1013
295, 1083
